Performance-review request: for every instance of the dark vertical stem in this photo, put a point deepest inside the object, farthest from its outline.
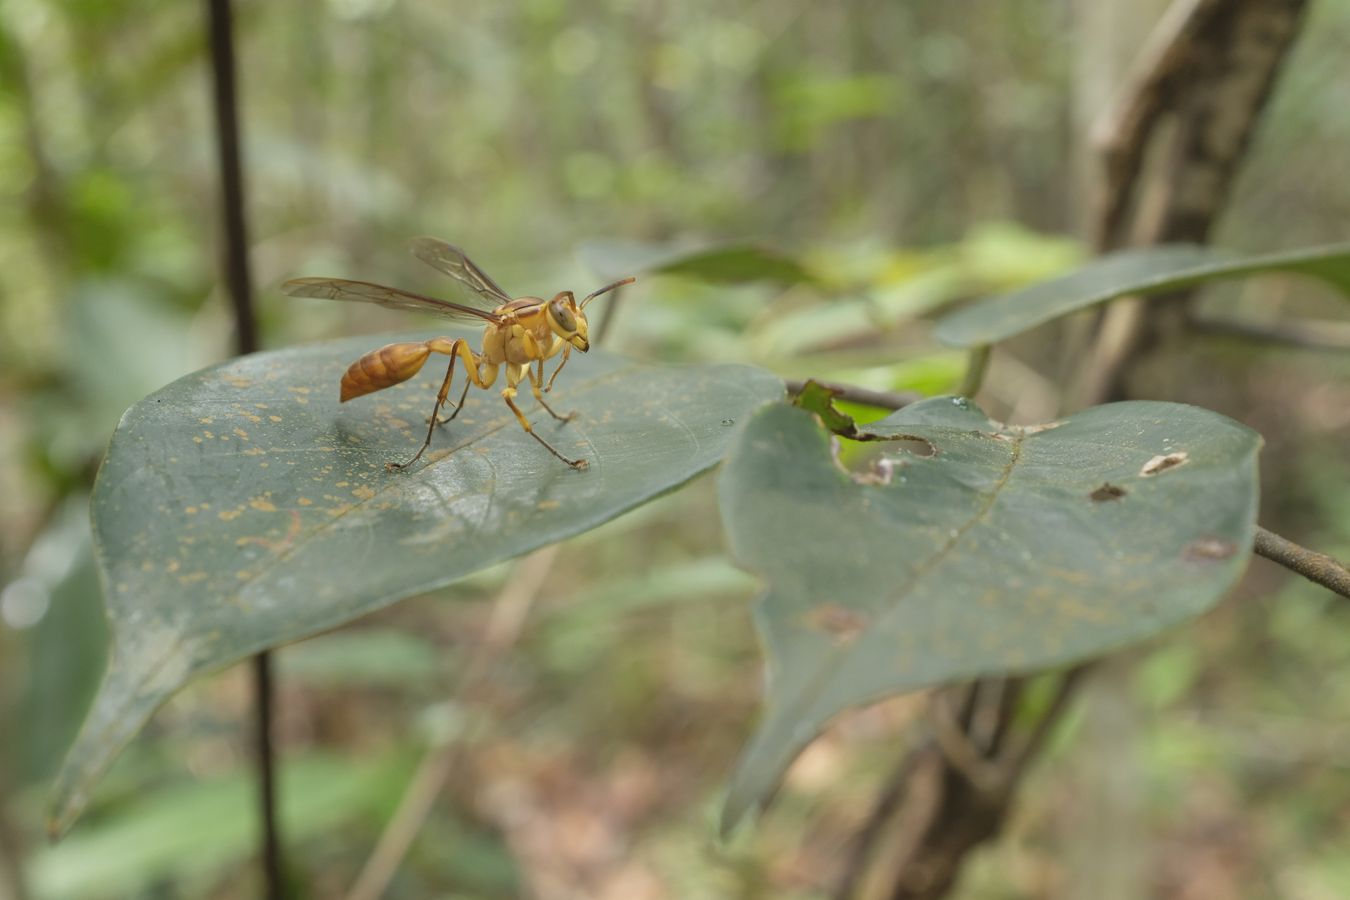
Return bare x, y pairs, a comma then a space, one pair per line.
239, 283
231, 178
267, 781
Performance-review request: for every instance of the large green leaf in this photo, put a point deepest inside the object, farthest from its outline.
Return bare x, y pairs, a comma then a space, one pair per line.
1147, 271
971, 548
240, 508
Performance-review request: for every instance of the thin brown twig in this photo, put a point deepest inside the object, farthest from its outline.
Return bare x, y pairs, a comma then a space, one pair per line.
892, 796
1026, 750
503, 630
1318, 568
607, 316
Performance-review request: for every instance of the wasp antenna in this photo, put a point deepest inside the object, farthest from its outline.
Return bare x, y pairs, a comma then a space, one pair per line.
605, 290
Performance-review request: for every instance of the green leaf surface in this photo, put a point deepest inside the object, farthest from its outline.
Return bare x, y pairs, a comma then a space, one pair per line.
970, 548
241, 507
1132, 272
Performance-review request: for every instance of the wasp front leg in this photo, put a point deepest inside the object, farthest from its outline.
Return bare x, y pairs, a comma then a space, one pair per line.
566, 355
534, 351
536, 381
513, 376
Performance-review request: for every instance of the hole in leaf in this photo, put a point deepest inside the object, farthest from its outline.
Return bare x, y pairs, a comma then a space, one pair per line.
876, 462
1163, 462
1107, 491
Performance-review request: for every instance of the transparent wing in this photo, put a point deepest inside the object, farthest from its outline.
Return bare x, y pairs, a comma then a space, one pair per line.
393, 298
454, 262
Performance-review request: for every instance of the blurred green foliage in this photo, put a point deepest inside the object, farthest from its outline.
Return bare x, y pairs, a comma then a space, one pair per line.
878, 147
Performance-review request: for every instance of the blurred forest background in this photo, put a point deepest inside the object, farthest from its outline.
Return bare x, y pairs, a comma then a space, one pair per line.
908, 155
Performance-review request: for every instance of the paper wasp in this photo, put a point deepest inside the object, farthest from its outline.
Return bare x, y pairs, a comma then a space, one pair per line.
520, 334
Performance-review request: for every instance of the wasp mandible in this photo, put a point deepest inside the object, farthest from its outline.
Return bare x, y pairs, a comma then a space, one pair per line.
520, 334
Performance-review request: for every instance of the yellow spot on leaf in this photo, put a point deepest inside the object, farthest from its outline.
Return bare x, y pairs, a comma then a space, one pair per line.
208, 434
275, 418
242, 433
190, 510
192, 577
364, 492
229, 514
171, 566
305, 501
196, 439
548, 504
206, 421
262, 504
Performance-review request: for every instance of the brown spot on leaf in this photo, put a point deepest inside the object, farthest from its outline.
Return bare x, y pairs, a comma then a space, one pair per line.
1206, 549
842, 624
1163, 462
1107, 491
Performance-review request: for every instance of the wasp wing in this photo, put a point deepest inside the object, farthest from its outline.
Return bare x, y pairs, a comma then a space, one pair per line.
455, 262
393, 298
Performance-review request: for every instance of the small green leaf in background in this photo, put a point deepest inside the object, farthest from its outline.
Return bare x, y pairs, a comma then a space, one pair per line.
727, 264
194, 832
241, 507
985, 549
1146, 271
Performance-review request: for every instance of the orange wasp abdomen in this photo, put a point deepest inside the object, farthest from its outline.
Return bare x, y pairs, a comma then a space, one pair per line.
382, 368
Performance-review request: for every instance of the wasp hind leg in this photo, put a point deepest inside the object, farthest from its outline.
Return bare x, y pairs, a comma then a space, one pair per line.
458, 406
455, 350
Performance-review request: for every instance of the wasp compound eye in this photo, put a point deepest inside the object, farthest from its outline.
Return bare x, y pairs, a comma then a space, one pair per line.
563, 316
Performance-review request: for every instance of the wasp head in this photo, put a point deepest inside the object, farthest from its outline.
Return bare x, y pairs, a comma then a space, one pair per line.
568, 321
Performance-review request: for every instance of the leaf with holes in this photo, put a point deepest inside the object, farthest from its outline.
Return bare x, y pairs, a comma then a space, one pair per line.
1152, 270
968, 548
241, 507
